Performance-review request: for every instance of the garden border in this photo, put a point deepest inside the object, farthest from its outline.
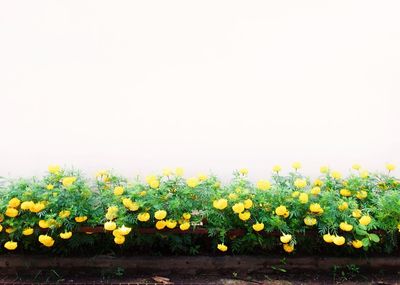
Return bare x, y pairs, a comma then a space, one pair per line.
28, 264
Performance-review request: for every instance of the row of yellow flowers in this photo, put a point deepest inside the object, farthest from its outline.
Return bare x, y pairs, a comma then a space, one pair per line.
343, 210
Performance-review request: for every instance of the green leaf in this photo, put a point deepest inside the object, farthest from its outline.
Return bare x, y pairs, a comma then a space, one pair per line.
374, 237
365, 242
361, 232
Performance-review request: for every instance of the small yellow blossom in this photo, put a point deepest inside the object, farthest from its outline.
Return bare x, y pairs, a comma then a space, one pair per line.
276, 168
222, 247
66, 235
68, 181
263, 185
285, 238
192, 182
54, 169
258, 227
296, 165
160, 214
300, 183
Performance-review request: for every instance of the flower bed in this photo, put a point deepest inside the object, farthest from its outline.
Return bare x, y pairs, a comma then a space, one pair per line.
64, 213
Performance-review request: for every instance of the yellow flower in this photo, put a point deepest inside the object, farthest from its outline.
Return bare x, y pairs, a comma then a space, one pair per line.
281, 210
50, 187
10, 230
343, 206
64, 214
14, 203
238, 208
149, 178
356, 213
258, 227
171, 224
110, 226
244, 171
263, 185
285, 238
192, 182
318, 182
54, 169
390, 167
66, 235
339, 240
37, 207
167, 172
324, 169
27, 231
44, 224
128, 203
300, 183
365, 220
357, 243
1, 228
295, 194
296, 165
336, 175
186, 216
27, 205
362, 194
179, 171
119, 239
101, 173
220, 204
288, 248
143, 193
112, 212
68, 181
244, 216
184, 226
143, 217
303, 198
222, 247
46, 240
154, 184
123, 231
364, 174
202, 177
11, 212
248, 204
345, 192
356, 167
232, 196
118, 190
161, 224
310, 221
398, 227
160, 214
81, 219
328, 238
316, 208
276, 168
315, 190
345, 227
11, 245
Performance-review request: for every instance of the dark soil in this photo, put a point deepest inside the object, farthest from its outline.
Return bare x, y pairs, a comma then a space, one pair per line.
346, 275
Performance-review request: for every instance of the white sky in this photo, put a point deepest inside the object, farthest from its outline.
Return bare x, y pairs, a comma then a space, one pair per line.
207, 85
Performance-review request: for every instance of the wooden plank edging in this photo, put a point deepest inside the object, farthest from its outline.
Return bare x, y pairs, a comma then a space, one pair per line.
193, 263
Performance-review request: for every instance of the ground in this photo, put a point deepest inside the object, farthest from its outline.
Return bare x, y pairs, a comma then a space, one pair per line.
337, 276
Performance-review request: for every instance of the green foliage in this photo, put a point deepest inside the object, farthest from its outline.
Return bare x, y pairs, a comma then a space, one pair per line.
64, 201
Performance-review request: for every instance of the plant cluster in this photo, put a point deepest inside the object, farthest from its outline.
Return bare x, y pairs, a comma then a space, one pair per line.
359, 211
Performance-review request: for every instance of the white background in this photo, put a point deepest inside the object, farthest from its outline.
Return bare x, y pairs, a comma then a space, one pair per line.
207, 85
